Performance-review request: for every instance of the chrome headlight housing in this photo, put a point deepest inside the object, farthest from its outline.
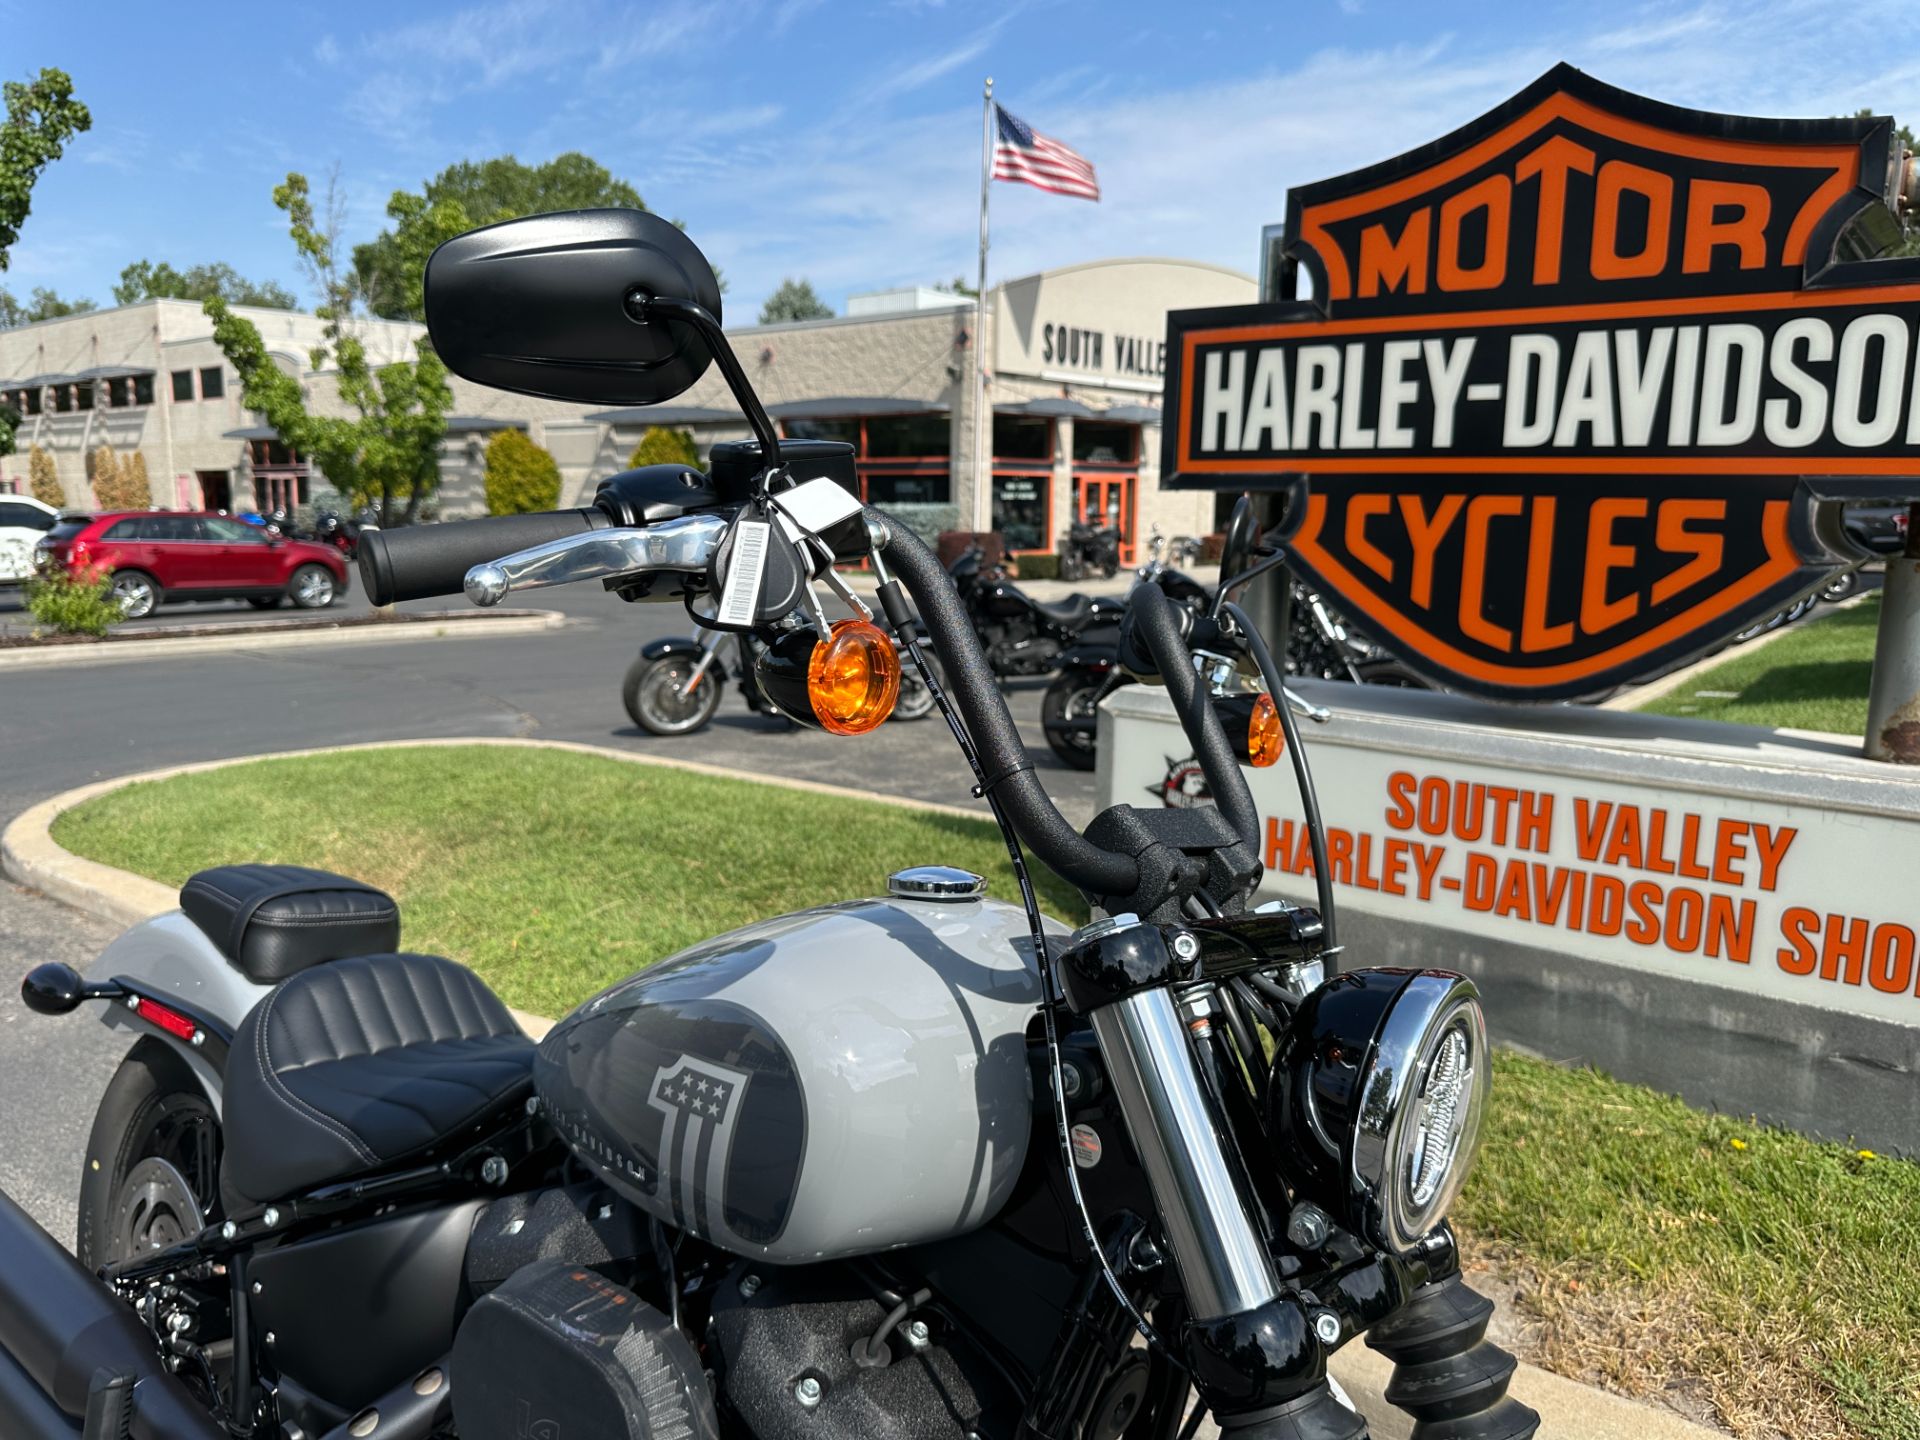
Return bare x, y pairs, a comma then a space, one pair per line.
1377, 1095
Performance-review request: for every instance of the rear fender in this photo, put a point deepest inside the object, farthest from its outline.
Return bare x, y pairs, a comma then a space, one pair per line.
1108, 610
673, 645
170, 957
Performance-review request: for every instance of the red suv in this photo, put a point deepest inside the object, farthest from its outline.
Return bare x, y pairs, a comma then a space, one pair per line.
186, 555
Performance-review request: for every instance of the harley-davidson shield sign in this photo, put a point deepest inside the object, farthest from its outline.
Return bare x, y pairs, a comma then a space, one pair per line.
1572, 383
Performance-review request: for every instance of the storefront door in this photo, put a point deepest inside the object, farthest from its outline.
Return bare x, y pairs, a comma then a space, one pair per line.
1106, 500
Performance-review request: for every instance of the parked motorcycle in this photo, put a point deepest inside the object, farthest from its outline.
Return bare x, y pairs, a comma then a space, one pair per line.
1319, 645
341, 533
675, 687
1085, 549
924, 1165
1021, 635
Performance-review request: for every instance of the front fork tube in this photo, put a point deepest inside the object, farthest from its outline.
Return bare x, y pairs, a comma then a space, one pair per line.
700, 671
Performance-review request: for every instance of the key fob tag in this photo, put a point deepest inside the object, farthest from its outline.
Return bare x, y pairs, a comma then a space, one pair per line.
757, 574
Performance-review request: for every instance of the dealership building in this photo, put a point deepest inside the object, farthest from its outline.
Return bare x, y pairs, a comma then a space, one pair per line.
1075, 364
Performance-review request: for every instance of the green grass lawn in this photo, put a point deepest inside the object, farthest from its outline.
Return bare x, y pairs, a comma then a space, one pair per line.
1813, 678
1653, 1243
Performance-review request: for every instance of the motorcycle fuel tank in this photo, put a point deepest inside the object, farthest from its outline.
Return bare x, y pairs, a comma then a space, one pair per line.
837, 1082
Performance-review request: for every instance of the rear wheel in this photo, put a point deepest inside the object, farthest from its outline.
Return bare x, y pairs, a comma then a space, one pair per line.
1071, 702
152, 1175
658, 697
312, 587
136, 593
1840, 587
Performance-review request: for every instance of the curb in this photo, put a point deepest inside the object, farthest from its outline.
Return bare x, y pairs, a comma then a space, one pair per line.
30, 857
264, 637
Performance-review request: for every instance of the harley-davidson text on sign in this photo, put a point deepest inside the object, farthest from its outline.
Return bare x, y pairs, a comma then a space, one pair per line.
1564, 378
1731, 890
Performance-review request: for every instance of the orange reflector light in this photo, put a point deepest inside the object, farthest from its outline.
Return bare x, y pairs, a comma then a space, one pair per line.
853, 678
1265, 739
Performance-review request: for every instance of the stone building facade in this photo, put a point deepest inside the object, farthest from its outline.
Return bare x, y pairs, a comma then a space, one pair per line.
1075, 361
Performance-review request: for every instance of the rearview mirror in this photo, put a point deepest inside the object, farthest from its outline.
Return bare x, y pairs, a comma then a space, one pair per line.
1243, 534
548, 306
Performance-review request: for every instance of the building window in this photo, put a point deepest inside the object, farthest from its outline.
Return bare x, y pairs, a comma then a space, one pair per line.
884, 488
83, 395
1020, 510
117, 391
32, 398
143, 389
213, 383
182, 386
1022, 437
62, 398
899, 437
1106, 442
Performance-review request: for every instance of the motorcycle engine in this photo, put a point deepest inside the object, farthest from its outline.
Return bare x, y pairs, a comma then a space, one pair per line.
796, 1358
1016, 650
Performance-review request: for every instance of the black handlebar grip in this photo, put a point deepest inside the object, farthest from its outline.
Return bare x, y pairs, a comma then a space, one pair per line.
425, 560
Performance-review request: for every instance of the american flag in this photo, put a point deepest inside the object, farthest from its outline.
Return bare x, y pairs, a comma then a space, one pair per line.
1023, 153
698, 1102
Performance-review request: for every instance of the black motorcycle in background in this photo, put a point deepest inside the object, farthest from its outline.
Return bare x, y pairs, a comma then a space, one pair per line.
1320, 646
1021, 635
1086, 549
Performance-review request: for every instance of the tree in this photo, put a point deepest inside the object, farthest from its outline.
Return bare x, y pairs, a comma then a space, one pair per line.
391, 452
661, 446
521, 477
134, 475
42, 116
144, 280
43, 304
43, 480
9, 427
958, 286
794, 300
115, 485
389, 268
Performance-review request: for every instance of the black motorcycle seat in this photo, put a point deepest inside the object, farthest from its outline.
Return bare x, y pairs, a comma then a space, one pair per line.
351, 1067
1072, 613
273, 921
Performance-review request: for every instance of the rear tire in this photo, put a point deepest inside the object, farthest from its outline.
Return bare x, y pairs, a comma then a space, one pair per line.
312, 587
1072, 697
153, 1159
137, 593
656, 700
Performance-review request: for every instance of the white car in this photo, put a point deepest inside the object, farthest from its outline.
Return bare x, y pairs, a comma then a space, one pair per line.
24, 523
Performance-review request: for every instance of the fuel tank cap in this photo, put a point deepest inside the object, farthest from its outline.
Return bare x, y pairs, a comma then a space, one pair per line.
936, 882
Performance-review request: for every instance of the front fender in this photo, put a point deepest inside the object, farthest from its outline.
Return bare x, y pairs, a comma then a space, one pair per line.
672, 645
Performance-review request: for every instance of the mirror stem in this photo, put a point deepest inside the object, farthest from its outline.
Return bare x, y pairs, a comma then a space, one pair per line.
702, 320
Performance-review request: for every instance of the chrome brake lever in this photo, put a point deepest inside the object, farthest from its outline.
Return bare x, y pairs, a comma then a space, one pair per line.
683, 545
1300, 705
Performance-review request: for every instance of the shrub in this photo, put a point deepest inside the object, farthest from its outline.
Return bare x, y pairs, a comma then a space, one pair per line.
73, 605
44, 479
928, 521
114, 484
133, 476
661, 446
520, 475
1039, 566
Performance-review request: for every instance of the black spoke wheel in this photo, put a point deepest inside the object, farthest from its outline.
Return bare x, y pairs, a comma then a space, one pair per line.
152, 1172
1069, 707
663, 698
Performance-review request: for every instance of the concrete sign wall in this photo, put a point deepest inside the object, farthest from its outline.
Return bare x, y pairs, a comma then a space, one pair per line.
1681, 903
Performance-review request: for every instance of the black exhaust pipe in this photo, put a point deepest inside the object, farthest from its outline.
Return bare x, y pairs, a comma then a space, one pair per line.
64, 1334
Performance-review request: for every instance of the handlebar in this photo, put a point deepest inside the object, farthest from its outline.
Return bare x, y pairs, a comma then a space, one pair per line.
427, 560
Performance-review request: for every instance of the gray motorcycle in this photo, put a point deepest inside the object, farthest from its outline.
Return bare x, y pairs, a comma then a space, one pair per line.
928, 1164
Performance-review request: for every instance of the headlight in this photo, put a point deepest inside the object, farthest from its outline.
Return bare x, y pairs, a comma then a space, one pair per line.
1378, 1090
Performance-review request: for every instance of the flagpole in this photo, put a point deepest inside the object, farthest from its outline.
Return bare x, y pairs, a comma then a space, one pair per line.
982, 466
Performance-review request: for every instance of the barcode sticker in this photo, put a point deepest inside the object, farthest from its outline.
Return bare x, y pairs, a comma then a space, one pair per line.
738, 605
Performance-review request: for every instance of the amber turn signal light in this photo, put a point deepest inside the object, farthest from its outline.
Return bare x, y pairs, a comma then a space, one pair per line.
844, 683
853, 678
1252, 723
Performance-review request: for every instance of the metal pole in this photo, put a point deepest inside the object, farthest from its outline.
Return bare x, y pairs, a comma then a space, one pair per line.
1893, 699
982, 469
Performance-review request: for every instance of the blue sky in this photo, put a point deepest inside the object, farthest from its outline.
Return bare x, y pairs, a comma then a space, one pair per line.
839, 139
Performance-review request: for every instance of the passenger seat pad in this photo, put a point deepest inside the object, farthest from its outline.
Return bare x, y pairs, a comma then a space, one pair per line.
360, 1064
273, 921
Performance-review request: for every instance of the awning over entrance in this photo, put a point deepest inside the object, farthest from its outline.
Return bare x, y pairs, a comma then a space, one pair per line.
1133, 414
837, 405
252, 432
667, 415
113, 372
468, 424
1055, 406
